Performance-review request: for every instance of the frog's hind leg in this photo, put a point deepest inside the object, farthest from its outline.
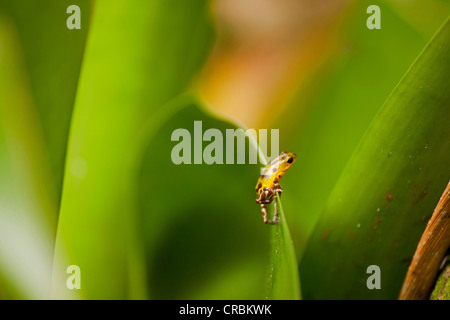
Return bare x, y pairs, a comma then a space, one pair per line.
267, 196
276, 215
265, 214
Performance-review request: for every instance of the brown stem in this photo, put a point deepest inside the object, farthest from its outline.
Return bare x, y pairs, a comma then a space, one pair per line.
430, 253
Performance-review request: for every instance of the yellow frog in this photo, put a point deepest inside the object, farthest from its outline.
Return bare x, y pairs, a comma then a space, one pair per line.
268, 184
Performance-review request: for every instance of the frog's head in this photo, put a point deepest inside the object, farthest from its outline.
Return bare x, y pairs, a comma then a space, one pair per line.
287, 159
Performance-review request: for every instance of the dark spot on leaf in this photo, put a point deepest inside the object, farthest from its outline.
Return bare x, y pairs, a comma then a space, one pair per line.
423, 220
424, 193
421, 195
388, 196
406, 260
377, 220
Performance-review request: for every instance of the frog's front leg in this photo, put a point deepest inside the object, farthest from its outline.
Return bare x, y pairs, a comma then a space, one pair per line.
266, 196
277, 187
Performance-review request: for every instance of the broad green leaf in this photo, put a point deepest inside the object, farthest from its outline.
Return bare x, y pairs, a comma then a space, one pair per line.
327, 118
139, 55
381, 203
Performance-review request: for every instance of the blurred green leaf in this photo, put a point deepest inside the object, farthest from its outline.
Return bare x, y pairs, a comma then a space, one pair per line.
380, 206
27, 207
138, 56
52, 55
203, 232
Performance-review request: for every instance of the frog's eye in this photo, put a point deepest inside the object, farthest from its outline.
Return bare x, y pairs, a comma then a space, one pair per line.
290, 160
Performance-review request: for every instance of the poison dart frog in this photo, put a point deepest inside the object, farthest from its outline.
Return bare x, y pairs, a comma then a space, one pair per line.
268, 185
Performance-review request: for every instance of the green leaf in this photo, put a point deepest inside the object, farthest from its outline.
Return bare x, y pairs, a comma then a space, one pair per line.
283, 279
139, 55
380, 206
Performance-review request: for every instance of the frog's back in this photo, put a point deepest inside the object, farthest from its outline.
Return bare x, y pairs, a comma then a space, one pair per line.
264, 180
275, 169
